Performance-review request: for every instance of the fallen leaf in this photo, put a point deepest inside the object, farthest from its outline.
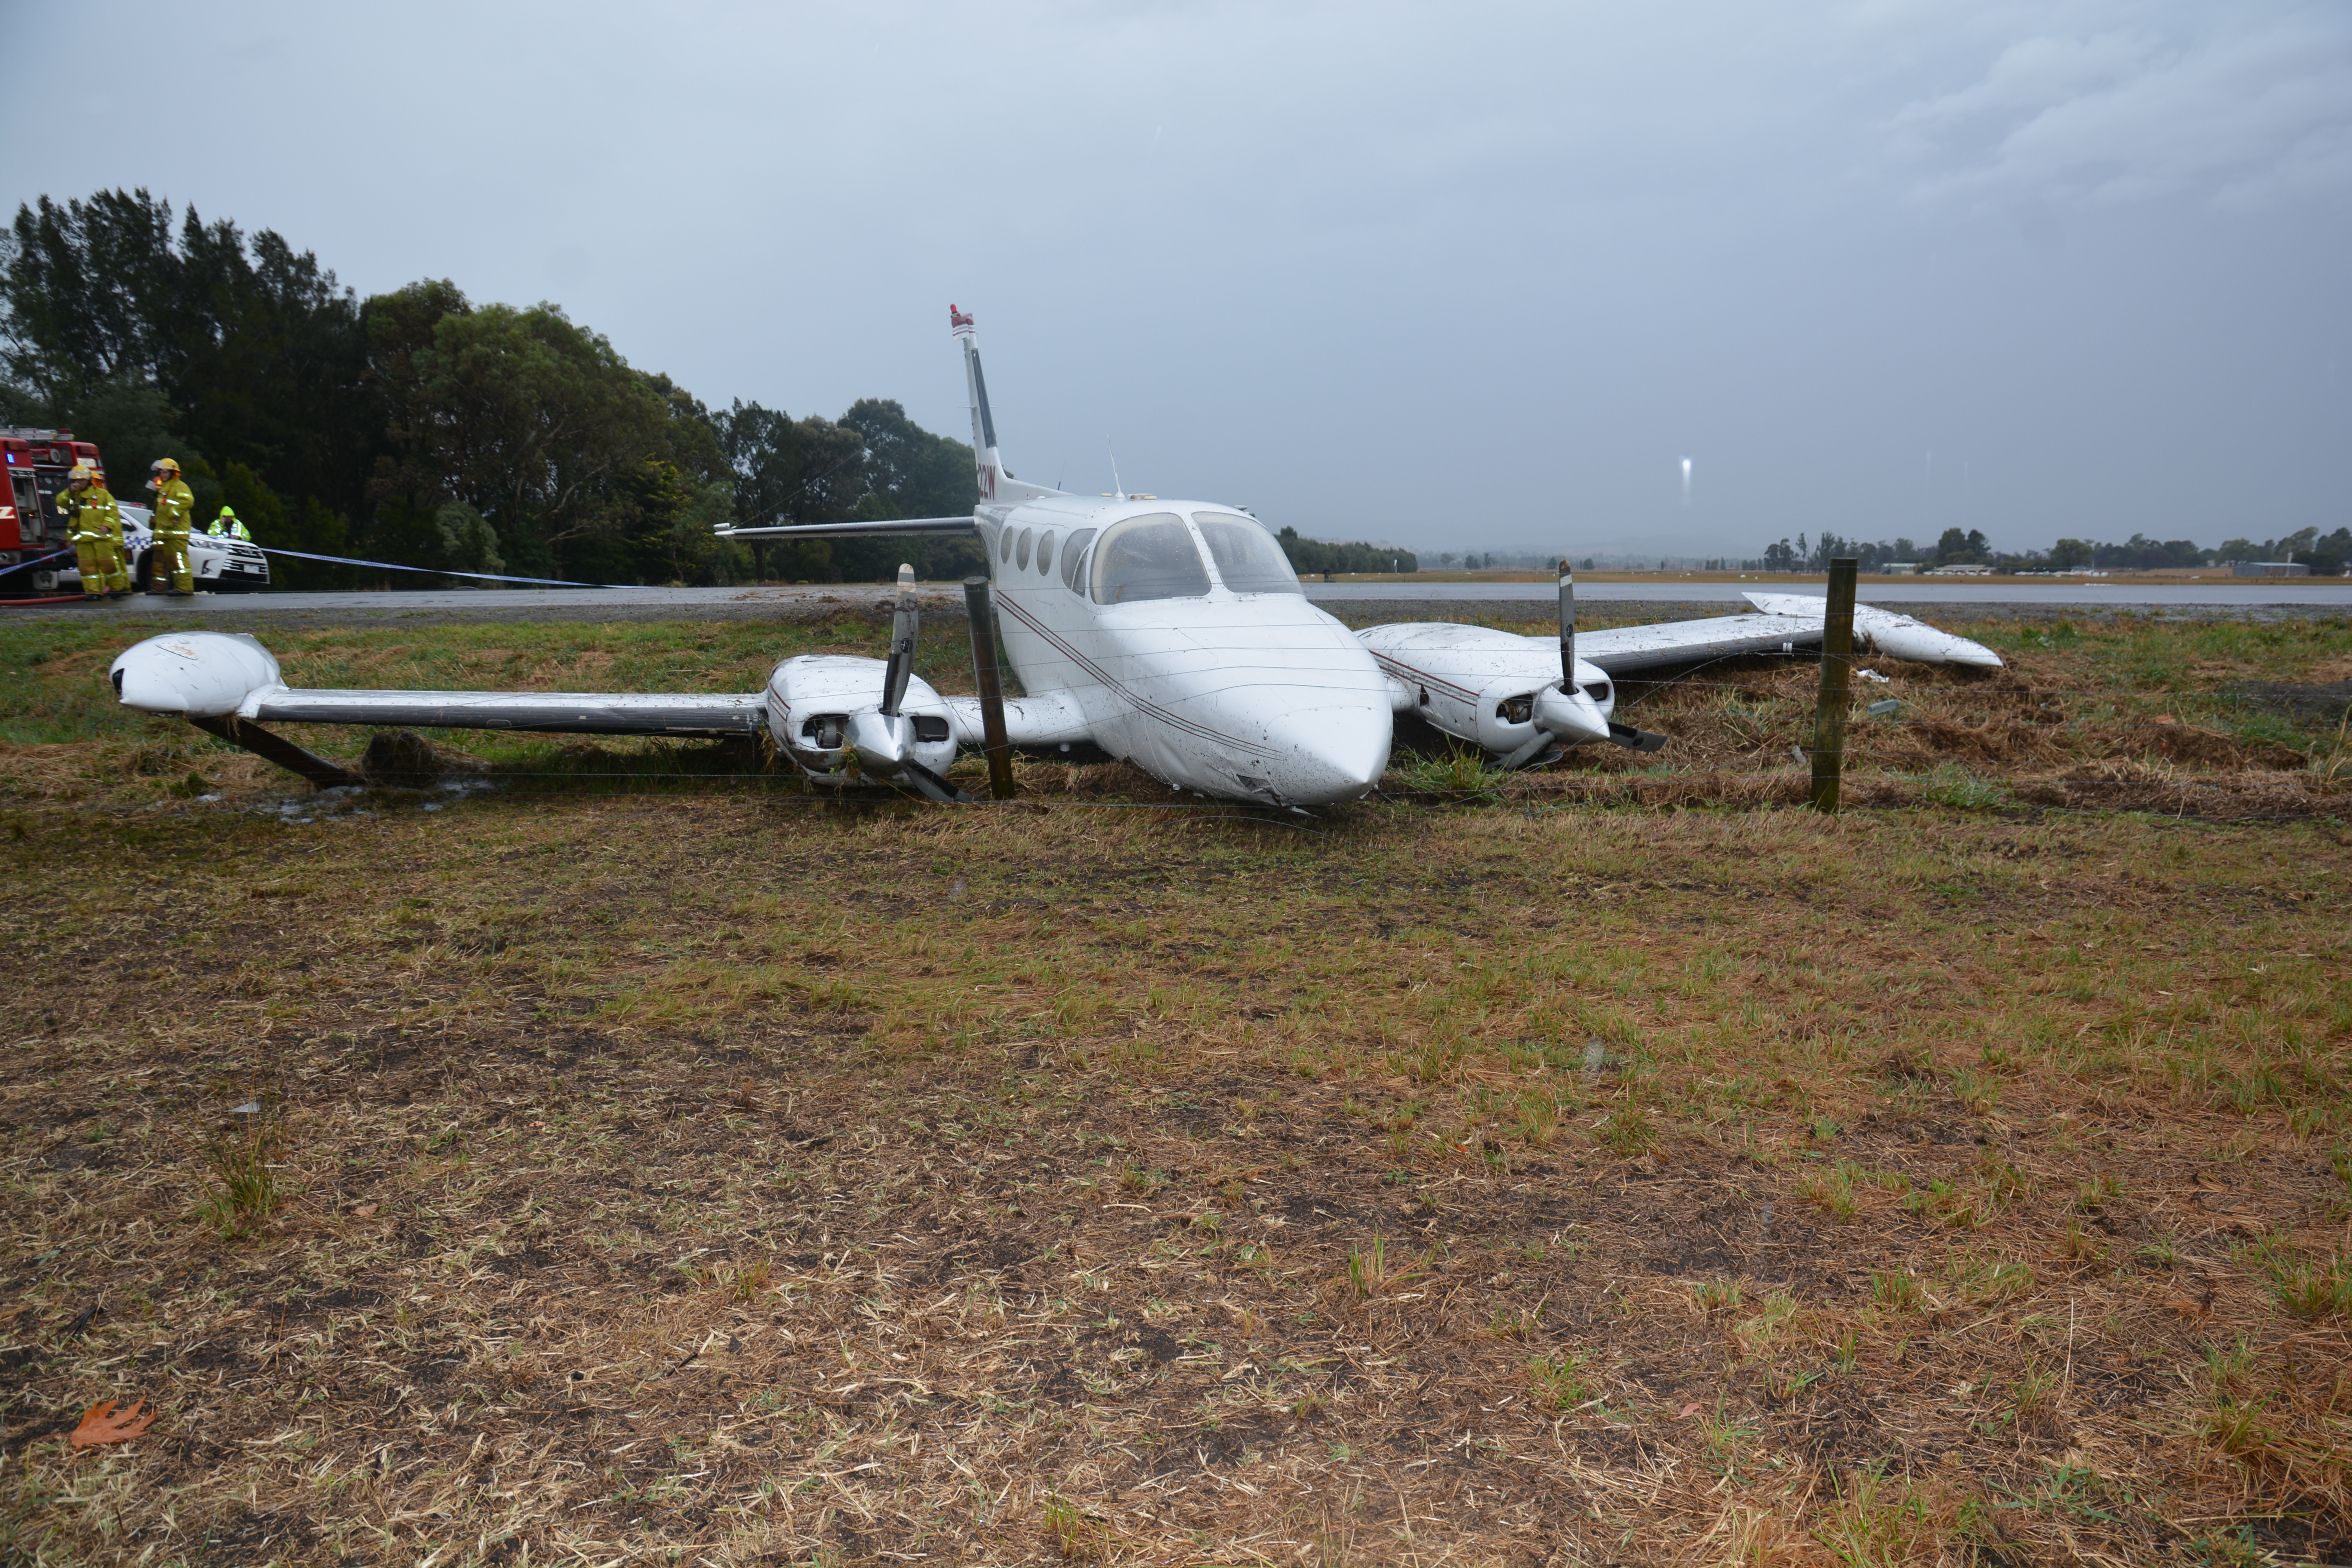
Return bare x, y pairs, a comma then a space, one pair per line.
100, 1423
1692, 1409
365, 1210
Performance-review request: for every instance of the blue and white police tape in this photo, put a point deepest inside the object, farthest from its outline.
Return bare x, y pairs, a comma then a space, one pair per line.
36, 561
443, 572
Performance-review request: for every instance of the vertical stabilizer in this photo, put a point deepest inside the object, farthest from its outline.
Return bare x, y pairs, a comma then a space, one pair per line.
988, 461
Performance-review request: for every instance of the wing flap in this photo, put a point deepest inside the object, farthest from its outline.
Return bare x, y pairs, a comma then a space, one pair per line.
556, 713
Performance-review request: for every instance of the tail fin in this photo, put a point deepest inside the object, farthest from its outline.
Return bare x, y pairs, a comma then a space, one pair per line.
988, 463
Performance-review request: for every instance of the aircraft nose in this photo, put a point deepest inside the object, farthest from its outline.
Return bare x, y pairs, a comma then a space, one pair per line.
1333, 755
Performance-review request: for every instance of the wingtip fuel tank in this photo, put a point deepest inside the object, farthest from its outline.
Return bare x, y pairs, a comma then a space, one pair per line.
203, 675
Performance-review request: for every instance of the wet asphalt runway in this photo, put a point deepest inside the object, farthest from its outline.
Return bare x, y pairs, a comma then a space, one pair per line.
1358, 603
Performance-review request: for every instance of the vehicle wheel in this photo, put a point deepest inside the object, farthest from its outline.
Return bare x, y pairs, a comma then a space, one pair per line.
142, 575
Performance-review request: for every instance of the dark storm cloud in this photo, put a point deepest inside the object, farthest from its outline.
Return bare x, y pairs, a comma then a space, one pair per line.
1442, 276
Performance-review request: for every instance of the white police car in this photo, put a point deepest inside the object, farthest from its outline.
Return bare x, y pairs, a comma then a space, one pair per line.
221, 565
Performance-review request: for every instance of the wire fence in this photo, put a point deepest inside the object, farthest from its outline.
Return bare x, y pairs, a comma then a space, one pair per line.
791, 789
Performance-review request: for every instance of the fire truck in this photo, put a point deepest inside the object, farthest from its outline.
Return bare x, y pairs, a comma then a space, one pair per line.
31, 526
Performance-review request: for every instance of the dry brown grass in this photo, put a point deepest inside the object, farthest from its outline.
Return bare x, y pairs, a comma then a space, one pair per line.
739, 1182
736, 1178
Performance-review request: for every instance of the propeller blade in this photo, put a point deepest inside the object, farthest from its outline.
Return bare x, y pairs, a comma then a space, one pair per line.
1567, 625
930, 786
1634, 739
904, 625
1539, 748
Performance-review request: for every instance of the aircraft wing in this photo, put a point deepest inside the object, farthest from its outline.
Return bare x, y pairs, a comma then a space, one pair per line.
883, 530
223, 676
1048, 719
1783, 621
556, 713
1628, 650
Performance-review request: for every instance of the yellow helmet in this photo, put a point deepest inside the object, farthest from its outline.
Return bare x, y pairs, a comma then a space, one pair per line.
228, 512
165, 466
81, 475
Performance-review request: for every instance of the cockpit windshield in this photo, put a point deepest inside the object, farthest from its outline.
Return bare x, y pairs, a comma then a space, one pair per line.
1247, 557
1149, 557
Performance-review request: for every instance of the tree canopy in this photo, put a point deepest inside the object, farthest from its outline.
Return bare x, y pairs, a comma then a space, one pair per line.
1314, 557
420, 427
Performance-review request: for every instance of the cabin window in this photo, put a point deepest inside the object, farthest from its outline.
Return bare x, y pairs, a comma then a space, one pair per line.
1247, 557
1149, 557
1004, 545
1044, 553
1071, 556
1021, 552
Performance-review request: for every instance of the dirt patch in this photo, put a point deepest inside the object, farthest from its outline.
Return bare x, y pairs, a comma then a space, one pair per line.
2326, 704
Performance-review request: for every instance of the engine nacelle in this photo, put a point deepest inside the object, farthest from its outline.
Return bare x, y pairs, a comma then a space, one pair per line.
204, 675
1488, 686
820, 706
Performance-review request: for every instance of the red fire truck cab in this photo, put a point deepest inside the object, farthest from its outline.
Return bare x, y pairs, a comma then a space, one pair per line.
36, 462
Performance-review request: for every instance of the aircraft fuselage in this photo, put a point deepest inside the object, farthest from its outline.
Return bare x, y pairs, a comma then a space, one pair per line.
1251, 693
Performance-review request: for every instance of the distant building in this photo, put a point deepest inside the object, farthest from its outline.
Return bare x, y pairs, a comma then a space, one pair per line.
2268, 569
1899, 568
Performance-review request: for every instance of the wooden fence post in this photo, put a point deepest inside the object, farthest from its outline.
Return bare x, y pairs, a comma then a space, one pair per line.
982, 615
1837, 683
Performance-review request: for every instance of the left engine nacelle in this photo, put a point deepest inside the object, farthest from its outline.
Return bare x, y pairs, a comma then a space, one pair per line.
821, 707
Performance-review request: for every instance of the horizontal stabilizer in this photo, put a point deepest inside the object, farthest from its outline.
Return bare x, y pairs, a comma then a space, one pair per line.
893, 527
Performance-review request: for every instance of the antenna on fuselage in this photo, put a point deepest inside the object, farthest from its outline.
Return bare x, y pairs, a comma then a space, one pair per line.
1119, 489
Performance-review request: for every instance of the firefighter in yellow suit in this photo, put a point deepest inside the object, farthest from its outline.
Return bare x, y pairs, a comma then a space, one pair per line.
95, 530
175, 510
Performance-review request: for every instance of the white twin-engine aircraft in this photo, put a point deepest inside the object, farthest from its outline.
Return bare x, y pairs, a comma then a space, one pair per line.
1172, 634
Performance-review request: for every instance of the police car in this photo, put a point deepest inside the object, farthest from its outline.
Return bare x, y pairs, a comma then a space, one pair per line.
222, 566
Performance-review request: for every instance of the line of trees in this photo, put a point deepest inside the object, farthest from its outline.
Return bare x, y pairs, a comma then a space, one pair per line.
2326, 554
1314, 557
422, 428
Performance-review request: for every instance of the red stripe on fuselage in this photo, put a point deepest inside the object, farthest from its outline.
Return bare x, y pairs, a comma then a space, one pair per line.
1141, 704
1421, 677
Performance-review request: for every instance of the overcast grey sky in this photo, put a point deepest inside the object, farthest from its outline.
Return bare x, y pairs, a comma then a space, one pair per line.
1443, 276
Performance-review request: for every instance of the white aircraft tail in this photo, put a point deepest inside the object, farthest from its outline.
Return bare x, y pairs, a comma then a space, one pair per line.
988, 461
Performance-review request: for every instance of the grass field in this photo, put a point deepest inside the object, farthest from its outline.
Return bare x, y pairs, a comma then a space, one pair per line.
1605, 1164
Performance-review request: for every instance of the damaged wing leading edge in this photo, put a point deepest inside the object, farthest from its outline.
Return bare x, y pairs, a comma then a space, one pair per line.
1784, 623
